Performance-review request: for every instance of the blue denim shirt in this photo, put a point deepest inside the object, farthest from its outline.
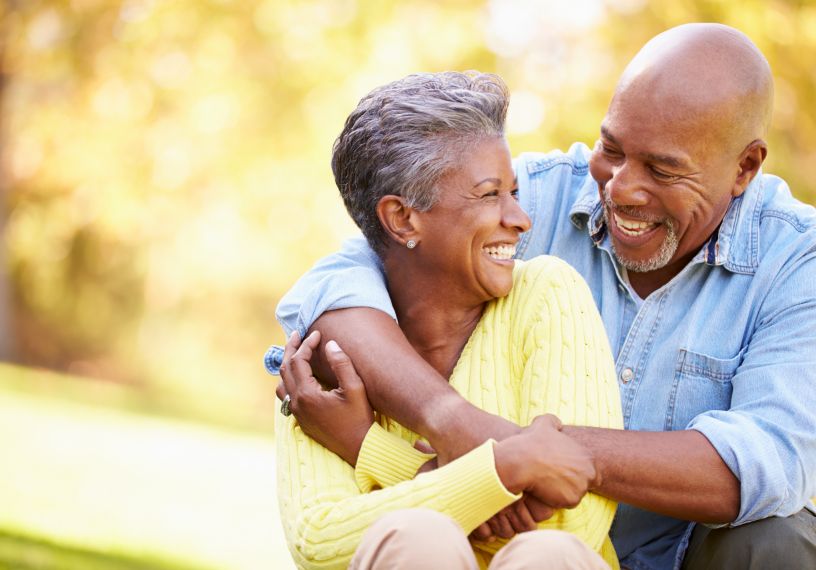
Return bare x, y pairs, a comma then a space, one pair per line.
727, 347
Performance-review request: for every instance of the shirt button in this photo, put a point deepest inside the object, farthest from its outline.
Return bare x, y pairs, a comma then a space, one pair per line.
627, 375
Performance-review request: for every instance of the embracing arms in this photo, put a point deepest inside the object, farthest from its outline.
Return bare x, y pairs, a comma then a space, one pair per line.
688, 474
679, 474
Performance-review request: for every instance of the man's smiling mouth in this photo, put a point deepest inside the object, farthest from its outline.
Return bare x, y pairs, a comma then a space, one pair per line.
632, 227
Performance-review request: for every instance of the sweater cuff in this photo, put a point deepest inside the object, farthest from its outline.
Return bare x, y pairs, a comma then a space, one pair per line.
385, 460
472, 487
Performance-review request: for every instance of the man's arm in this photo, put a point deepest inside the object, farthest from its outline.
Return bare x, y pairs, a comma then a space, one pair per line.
401, 385
678, 473
344, 297
752, 461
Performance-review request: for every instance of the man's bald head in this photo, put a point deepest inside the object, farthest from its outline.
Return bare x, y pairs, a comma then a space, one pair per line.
705, 70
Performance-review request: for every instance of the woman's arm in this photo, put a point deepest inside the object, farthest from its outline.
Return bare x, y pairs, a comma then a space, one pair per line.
324, 513
323, 509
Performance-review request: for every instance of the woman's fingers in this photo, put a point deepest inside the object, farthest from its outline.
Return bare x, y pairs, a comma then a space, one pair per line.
292, 344
301, 368
341, 365
288, 352
296, 370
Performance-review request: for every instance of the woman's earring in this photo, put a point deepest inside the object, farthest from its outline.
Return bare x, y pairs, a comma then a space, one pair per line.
411, 244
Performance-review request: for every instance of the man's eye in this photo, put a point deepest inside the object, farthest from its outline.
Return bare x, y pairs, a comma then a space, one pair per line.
663, 176
491, 194
609, 151
515, 194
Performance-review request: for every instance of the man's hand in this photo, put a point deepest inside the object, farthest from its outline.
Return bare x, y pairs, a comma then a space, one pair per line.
522, 516
546, 463
337, 419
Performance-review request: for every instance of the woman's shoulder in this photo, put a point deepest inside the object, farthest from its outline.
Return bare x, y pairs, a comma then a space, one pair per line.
542, 273
543, 287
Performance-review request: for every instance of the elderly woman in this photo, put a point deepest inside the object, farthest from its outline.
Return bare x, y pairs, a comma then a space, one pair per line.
425, 172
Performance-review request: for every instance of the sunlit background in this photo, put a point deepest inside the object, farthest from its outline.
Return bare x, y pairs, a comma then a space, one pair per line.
165, 178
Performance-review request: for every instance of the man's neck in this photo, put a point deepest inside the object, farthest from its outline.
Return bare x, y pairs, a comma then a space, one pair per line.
648, 282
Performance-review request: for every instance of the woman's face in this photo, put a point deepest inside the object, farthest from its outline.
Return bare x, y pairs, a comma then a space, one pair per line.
469, 237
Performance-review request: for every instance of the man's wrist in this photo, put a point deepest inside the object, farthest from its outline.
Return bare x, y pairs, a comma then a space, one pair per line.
444, 419
582, 436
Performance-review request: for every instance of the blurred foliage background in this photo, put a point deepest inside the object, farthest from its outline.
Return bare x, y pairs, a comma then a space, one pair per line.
164, 163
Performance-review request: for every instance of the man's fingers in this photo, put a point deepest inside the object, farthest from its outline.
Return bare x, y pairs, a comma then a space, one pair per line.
538, 510
423, 446
482, 532
503, 527
521, 517
280, 391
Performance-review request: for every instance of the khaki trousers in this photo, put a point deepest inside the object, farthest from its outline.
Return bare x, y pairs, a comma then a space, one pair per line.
422, 539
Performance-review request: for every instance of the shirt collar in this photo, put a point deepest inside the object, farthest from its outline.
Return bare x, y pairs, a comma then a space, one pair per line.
734, 246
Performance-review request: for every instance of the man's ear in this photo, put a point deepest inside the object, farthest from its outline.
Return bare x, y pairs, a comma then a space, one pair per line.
398, 219
750, 161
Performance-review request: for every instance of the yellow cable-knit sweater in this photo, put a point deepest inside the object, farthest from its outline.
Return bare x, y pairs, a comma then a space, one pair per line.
542, 349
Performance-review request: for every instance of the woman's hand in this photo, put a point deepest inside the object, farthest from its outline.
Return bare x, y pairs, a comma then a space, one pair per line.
547, 464
337, 419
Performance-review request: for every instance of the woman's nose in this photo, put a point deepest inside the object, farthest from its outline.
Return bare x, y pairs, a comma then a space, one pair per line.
513, 216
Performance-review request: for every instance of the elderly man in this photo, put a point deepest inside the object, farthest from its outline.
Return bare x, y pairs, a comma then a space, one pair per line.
703, 269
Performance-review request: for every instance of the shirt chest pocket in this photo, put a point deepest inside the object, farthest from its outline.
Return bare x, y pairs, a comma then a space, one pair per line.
701, 383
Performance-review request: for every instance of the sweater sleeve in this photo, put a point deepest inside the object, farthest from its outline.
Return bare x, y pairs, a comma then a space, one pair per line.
386, 459
324, 514
567, 369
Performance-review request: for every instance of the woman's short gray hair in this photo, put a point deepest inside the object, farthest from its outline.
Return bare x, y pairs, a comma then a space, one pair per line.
404, 136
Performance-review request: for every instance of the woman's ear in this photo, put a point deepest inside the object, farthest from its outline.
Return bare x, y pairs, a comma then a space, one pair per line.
398, 220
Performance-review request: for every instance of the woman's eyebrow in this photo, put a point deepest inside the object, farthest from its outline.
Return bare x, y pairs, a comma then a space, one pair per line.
496, 181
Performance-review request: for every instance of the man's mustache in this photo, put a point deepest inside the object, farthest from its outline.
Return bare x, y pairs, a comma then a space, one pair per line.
633, 212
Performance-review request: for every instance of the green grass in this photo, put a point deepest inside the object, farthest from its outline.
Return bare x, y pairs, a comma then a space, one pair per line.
86, 484
25, 552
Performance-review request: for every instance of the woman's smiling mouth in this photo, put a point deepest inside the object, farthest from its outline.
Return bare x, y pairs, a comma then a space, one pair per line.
502, 252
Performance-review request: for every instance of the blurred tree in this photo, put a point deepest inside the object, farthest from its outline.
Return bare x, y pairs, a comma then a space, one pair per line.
7, 336
166, 163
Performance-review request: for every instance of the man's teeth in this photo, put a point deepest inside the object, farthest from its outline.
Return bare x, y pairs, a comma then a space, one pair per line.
500, 252
633, 227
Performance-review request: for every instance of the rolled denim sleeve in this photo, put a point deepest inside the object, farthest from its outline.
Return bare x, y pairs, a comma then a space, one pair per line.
768, 436
352, 277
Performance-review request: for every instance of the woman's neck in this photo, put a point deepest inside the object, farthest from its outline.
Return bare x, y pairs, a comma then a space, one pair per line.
434, 318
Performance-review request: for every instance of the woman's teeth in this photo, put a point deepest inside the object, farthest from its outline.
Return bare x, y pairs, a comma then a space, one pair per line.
633, 227
502, 252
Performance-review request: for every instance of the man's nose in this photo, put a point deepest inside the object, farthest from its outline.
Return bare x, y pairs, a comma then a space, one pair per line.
513, 216
625, 187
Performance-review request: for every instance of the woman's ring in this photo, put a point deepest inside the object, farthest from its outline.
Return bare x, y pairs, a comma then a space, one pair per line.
285, 406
